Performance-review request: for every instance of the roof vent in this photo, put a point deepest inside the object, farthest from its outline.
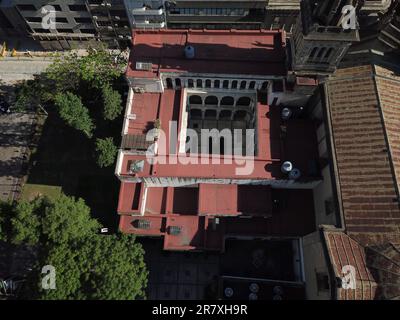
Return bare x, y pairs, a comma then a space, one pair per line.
189, 52
287, 167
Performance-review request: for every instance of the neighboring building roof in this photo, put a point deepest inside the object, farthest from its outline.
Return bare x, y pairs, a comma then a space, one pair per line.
242, 52
377, 269
365, 117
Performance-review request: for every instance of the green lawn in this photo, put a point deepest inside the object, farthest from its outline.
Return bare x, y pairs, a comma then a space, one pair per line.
31, 191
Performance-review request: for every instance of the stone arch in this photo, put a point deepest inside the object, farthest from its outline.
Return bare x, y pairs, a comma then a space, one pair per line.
211, 100
243, 101
227, 101
169, 83
195, 99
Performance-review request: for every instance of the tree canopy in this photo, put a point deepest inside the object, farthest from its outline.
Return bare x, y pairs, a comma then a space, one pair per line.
106, 152
112, 103
74, 113
88, 265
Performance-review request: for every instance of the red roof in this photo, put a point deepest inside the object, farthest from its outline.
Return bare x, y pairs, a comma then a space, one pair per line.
246, 52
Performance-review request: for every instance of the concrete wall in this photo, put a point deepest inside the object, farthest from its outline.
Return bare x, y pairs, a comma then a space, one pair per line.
314, 263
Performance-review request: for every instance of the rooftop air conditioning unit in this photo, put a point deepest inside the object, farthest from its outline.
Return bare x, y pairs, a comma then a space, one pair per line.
136, 166
147, 66
175, 230
138, 90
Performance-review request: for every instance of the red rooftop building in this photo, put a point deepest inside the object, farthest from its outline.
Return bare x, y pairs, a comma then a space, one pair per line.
186, 81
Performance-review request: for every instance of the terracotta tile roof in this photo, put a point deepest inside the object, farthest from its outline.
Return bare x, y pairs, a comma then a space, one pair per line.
377, 269
359, 100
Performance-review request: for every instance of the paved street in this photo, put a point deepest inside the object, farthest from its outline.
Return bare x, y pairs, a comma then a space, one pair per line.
14, 69
15, 132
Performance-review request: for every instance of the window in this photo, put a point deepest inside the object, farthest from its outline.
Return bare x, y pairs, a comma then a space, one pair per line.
322, 281
87, 31
26, 7
77, 7
62, 30
227, 101
195, 100
243, 85
243, 101
190, 83
252, 85
216, 84
199, 83
211, 100
177, 82
225, 84
208, 83
41, 30
234, 84
169, 83
83, 20
313, 52
61, 20
34, 19
210, 114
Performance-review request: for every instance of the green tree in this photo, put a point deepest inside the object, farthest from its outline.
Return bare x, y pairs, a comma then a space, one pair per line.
88, 265
103, 267
99, 68
64, 74
74, 113
112, 103
66, 220
106, 152
25, 222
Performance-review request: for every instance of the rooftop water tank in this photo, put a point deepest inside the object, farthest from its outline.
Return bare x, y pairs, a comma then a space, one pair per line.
294, 174
189, 52
287, 166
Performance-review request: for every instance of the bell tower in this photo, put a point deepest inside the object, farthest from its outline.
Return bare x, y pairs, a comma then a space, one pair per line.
324, 31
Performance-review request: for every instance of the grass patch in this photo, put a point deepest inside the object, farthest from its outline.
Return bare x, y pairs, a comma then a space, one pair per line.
31, 191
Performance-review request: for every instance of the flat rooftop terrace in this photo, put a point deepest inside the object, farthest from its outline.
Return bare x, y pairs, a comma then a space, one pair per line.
246, 52
184, 226
276, 141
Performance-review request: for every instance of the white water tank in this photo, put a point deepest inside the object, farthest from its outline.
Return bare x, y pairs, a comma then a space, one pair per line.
287, 167
189, 52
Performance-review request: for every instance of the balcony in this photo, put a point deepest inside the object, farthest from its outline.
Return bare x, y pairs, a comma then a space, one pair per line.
147, 24
147, 12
